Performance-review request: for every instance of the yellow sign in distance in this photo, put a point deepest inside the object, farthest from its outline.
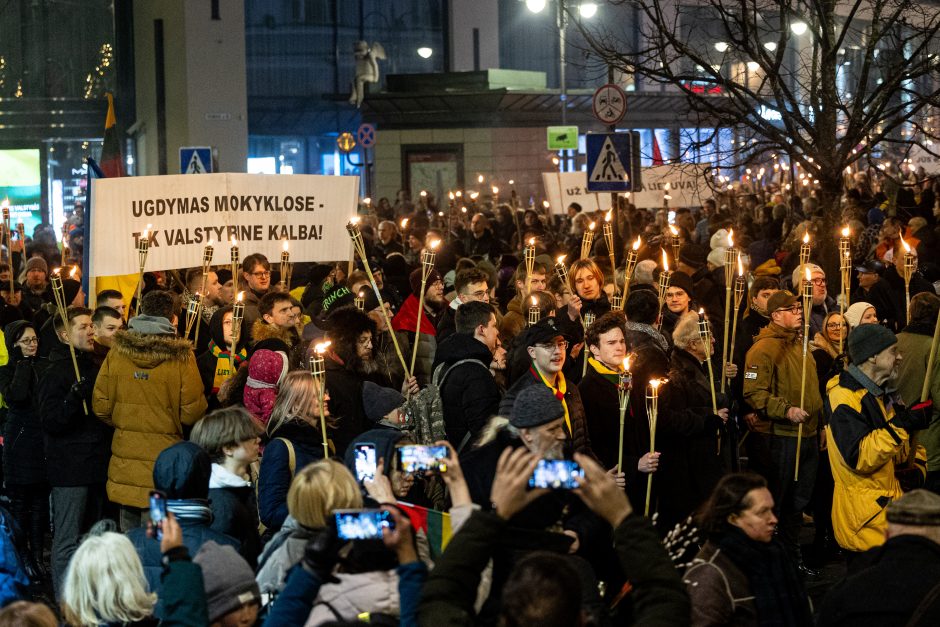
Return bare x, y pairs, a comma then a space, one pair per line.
346, 142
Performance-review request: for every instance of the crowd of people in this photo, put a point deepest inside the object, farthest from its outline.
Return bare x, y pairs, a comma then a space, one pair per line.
256, 428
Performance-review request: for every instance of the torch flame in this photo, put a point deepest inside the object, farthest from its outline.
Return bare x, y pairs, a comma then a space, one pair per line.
146, 231
319, 349
655, 383
591, 226
636, 244
424, 193
673, 230
240, 296
701, 312
555, 161
906, 246
234, 241
495, 190
730, 238
450, 195
72, 272
608, 215
545, 204
535, 301
480, 179
210, 243
404, 222
561, 260
740, 267
531, 241
367, 200
434, 244
809, 276
362, 294
845, 231
626, 364
285, 246
806, 238
665, 262
474, 195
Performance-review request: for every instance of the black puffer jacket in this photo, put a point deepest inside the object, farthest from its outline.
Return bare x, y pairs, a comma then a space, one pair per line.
470, 395
24, 458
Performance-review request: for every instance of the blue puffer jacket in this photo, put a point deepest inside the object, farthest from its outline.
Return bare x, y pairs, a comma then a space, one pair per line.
182, 472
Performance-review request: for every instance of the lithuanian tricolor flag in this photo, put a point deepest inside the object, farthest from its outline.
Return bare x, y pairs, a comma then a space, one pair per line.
434, 524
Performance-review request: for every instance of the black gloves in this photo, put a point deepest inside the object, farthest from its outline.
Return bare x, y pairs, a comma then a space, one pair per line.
914, 418
321, 555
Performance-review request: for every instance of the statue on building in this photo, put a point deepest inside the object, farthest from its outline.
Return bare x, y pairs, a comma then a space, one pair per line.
367, 69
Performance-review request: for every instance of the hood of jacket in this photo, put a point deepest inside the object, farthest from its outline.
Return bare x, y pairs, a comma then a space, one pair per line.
384, 441
375, 592
182, 471
463, 346
149, 351
151, 325
222, 478
261, 331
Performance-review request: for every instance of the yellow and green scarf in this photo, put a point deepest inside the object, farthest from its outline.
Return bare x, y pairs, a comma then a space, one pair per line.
558, 391
224, 368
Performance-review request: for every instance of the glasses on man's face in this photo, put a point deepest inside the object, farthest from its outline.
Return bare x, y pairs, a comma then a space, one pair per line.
560, 345
261, 275
819, 282
794, 309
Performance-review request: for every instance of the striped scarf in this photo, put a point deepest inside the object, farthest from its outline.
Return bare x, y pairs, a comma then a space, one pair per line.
190, 509
223, 364
610, 375
558, 391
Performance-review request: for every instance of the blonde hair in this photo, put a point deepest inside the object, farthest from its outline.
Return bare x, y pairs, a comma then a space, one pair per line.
590, 266
105, 583
297, 400
320, 488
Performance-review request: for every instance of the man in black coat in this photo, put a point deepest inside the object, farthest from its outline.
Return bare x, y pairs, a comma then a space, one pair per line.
78, 444
481, 241
547, 348
692, 435
468, 390
470, 284
875, 290
893, 583
601, 398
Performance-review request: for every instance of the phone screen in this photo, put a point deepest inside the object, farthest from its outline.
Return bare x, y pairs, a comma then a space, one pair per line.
365, 462
362, 524
418, 458
157, 511
556, 474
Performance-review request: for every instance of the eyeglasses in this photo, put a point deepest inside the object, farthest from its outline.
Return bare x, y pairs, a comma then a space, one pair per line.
836, 325
29, 340
818, 282
793, 309
261, 275
560, 345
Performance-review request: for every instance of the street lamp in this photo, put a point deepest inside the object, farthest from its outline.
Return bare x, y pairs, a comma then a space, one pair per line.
721, 46
586, 10
424, 52
798, 28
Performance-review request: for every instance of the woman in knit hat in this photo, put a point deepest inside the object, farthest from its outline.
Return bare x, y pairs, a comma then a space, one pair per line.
860, 313
218, 364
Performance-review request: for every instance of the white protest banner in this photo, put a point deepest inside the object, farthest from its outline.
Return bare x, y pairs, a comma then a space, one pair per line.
184, 213
573, 189
920, 158
687, 186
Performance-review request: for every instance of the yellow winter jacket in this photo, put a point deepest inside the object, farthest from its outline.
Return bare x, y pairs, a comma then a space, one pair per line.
864, 448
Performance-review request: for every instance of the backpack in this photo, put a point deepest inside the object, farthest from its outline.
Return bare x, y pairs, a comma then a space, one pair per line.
292, 465
440, 377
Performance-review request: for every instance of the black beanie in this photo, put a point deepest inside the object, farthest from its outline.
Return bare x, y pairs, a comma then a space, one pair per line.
867, 340
379, 401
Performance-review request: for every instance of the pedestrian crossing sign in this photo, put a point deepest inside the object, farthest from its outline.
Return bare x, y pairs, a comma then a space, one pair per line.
196, 160
609, 159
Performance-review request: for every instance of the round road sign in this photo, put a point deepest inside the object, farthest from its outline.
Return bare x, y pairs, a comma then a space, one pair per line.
346, 142
366, 135
610, 103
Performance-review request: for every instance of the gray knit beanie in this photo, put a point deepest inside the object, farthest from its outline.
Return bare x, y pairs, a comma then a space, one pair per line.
228, 580
535, 406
